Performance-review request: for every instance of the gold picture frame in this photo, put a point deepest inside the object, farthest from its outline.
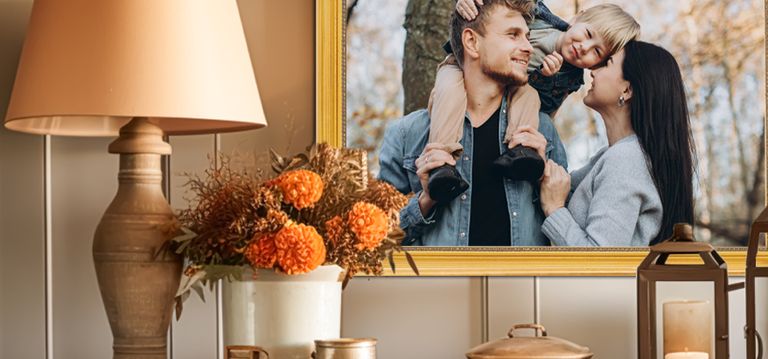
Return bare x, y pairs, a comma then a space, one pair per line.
464, 261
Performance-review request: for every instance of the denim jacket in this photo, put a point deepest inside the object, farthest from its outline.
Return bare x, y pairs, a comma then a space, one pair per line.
448, 225
553, 89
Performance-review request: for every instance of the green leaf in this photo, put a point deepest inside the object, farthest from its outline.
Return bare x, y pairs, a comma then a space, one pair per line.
216, 272
278, 162
182, 247
391, 258
161, 250
198, 288
187, 282
188, 234
179, 307
297, 162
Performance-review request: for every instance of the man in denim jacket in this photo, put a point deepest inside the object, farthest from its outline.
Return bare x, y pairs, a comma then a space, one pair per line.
493, 51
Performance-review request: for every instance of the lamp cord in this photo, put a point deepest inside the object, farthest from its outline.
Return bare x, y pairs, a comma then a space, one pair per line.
759, 345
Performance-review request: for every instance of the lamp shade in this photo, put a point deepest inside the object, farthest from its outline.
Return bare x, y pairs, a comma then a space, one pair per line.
89, 66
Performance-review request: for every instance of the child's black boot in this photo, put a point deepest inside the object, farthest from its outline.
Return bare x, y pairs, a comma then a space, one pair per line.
445, 183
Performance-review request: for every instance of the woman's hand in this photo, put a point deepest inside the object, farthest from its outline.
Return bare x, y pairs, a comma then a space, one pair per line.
529, 137
555, 186
467, 8
433, 156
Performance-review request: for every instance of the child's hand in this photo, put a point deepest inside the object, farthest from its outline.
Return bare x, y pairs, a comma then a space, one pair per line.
529, 137
551, 64
467, 8
433, 156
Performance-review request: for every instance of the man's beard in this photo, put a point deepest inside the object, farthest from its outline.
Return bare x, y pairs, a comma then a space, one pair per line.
507, 79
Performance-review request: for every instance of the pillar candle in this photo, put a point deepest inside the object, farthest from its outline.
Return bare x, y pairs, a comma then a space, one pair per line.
687, 355
688, 329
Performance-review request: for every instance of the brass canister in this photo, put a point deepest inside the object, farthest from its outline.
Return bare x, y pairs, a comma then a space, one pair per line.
345, 348
245, 352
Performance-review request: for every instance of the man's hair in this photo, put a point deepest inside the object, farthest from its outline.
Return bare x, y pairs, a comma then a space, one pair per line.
458, 23
616, 26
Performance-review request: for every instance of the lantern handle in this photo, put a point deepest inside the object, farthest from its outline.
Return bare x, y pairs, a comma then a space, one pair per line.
538, 327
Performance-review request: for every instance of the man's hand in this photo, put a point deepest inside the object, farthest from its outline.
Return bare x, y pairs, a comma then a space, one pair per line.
467, 8
529, 137
432, 157
555, 186
551, 64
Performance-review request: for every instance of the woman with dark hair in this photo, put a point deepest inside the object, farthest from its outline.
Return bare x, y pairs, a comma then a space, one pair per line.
633, 191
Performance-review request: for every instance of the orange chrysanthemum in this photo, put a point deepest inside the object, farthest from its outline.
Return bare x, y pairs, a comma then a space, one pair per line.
262, 252
369, 224
300, 188
300, 249
333, 228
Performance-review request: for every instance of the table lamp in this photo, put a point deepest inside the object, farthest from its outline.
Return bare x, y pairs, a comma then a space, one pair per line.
145, 68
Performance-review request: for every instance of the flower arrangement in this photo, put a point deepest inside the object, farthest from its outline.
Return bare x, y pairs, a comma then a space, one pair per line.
322, 207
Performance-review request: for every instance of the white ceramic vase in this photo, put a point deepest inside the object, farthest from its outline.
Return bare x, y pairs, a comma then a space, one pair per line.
282, 313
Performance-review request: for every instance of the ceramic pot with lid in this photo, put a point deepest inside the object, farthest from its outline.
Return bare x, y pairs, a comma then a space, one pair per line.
537, 347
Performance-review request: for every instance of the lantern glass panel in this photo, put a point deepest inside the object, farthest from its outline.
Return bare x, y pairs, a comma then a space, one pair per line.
761, 314
700, 299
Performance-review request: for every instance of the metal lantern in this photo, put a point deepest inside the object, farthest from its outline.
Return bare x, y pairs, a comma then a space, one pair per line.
760, 225
656, 269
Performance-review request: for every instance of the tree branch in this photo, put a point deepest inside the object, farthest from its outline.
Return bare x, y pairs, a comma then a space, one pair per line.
737, 236
350, 10
757, 175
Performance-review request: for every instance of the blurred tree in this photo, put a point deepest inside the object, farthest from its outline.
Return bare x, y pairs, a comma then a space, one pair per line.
351, 5
720, 49
428, 25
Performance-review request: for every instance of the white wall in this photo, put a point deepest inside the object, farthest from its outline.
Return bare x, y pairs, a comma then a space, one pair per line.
441, 317
21, 210
280, 36
411, 317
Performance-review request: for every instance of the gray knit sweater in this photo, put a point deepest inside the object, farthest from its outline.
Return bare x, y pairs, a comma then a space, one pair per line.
613, 201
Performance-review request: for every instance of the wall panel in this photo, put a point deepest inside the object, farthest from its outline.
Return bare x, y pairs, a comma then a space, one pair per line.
426, 318
22, 291
595, 312
84, 182
510, 302
281, 41
22, 304
194, 336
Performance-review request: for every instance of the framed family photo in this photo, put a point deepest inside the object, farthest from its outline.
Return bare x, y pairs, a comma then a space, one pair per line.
377, 61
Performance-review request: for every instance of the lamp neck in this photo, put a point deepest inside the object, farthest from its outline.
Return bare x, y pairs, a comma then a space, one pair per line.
140, 168
140, 136
140, 145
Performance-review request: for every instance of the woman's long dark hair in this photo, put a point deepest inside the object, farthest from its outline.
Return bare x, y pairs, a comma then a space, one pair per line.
659, 115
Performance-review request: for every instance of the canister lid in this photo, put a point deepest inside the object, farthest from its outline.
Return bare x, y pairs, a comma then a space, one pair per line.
515, 347
346, 343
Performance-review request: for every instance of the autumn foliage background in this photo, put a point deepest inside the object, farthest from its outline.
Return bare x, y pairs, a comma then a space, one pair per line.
394, 46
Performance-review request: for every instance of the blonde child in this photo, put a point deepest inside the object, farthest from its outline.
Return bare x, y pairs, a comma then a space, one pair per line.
560, 53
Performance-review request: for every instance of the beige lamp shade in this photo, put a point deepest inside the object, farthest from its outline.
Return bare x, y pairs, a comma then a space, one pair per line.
89, 66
